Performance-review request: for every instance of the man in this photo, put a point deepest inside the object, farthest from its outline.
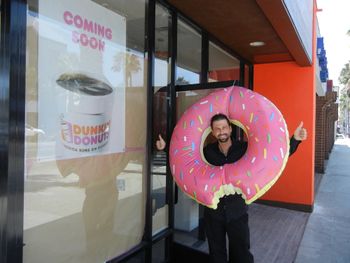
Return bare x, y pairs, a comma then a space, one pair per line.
231, 216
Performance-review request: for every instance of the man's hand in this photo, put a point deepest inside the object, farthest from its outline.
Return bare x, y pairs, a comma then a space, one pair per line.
300, 133
160, 144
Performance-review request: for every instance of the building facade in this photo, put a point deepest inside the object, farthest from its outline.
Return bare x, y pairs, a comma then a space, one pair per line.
87, 87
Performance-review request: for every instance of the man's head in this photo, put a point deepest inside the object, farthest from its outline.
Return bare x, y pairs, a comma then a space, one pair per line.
221, 127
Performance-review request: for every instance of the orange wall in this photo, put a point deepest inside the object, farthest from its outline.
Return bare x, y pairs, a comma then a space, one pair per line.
292, 89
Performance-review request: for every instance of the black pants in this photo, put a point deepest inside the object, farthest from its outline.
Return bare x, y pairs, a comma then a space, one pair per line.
237, 231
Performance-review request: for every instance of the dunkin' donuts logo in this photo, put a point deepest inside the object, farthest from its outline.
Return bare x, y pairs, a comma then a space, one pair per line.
84, 138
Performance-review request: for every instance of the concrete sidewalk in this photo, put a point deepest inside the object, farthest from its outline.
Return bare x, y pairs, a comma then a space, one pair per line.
327, 235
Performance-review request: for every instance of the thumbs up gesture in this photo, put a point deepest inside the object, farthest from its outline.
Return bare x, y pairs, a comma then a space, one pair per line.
300, 133
160, 143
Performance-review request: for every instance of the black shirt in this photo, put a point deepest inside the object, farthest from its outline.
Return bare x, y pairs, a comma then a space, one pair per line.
232, 206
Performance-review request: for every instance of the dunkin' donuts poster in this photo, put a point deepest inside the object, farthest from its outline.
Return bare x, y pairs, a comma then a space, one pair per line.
81, 95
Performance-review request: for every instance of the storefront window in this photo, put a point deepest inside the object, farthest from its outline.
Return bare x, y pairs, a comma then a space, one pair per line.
161, 80
222, 66
186, 209
189, 46
86, 104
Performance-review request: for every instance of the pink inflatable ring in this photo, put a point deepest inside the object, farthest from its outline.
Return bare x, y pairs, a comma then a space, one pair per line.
255, 172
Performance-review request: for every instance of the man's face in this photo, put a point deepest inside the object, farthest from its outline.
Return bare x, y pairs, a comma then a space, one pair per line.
221, 130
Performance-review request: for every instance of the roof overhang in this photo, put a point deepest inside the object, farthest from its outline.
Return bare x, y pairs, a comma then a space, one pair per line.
237, 23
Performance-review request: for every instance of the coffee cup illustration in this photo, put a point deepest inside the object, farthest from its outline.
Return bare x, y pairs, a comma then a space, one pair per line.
85, 108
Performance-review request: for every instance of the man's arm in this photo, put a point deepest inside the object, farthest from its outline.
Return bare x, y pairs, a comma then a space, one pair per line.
293, 145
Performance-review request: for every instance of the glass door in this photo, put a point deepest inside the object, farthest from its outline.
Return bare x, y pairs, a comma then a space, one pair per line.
160, 113
222, 68
188, 71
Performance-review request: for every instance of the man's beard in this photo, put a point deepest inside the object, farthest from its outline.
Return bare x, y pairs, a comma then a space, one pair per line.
223, 139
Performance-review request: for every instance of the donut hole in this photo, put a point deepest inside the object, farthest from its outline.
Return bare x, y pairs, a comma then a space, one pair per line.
238, 134
210, 139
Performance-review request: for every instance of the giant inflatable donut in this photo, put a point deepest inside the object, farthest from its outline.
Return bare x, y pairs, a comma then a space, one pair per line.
255, 172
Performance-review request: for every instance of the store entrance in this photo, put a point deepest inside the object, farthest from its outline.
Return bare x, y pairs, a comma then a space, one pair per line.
188, 65
189, 232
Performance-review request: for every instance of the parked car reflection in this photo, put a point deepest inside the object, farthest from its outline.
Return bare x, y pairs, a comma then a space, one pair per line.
32, 131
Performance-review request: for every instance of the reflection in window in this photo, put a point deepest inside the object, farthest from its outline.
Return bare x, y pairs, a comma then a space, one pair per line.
86, 97
162, 78
185, 99
189, 45
222, 66
162, 67
186, 209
